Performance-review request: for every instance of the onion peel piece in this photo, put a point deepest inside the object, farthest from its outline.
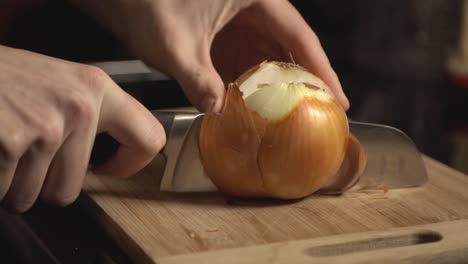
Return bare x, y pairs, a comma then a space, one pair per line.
351, 169
229, 144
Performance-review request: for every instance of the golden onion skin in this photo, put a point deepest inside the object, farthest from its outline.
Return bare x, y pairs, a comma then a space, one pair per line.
351, 169
302, 152
229, 144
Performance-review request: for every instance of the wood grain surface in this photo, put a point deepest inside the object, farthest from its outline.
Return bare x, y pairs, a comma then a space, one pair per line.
151, 225
438, 243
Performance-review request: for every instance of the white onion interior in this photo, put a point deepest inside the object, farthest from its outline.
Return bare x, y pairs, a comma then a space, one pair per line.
274, 72
275, 101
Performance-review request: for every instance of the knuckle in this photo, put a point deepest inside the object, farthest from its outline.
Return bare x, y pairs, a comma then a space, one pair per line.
80, 108
82, 102
13, 148
92, 76
51, 135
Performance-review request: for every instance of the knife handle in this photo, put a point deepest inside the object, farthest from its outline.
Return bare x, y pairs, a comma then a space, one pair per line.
105, 146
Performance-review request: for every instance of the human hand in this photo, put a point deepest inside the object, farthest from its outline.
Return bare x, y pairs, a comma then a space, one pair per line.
50, 112
205, 43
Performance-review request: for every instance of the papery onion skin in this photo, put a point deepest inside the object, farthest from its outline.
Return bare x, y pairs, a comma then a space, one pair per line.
351, 169
302, 152
229, 144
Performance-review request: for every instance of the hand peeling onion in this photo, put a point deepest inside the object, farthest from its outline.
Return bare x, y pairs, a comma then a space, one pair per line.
281, 133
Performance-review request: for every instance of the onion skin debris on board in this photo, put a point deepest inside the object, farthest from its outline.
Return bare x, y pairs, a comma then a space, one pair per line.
281, 133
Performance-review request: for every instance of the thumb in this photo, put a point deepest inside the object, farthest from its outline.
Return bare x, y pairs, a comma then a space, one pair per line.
201, 82
139, 133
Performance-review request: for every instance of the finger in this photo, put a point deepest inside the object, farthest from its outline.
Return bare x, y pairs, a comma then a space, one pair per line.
28, 180
295, 35
68, 168
7, 170
201, 82
140, 135
14, 142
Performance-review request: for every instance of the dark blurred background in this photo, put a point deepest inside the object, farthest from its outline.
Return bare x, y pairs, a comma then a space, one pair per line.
391, 57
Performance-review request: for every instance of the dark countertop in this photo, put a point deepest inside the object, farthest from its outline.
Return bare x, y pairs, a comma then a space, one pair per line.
47, 234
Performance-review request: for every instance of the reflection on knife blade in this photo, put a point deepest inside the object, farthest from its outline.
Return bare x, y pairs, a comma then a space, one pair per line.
393, 159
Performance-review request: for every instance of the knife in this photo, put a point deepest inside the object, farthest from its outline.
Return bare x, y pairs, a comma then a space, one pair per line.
394, 161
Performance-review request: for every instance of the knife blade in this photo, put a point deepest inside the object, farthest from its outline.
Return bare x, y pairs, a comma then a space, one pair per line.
393, 159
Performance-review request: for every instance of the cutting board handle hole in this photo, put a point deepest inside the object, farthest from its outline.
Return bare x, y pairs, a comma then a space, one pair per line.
384, 242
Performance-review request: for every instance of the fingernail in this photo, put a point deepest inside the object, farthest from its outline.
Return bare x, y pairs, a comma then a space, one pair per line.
344, 101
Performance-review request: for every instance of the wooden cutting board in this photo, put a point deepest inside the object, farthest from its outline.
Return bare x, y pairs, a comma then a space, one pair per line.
152, 226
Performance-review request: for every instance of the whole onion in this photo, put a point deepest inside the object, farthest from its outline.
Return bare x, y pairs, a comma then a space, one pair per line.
281, 133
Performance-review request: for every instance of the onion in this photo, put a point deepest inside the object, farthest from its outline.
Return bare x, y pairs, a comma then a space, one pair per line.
281, 133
